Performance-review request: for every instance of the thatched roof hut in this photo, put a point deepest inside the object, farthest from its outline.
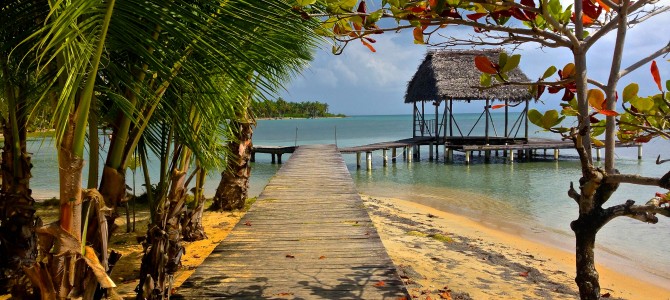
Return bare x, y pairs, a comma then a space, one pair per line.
451, 74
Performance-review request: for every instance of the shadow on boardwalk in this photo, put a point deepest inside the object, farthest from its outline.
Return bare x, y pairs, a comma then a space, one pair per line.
307, 236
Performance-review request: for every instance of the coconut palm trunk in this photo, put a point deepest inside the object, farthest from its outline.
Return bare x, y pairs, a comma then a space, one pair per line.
18, 241
233, 189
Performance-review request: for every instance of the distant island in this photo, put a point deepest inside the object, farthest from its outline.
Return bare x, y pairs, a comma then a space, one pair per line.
281, 108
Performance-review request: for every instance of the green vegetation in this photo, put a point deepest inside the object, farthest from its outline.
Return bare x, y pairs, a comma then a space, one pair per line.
283, 109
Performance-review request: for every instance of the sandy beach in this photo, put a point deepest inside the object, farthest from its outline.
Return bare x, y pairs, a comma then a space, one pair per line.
439, 255
438, 251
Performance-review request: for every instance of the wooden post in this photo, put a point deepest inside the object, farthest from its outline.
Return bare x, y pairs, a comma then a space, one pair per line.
279, 158
410, 155
253, 156
417, 155
505, 151
404, 152
273, 158
423, 117
414, 120
506, 111
437, 124
526, 133
486, 116
545, 153
393, 154
386, 158
368, 160
511, 155
451, 116
467, 157
450, 154
556, 154
445, 153
430, 151
597, 154
358, 160
529, 154
487, 154
639, 151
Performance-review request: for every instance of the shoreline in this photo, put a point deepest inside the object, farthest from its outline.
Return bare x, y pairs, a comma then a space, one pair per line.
485, 262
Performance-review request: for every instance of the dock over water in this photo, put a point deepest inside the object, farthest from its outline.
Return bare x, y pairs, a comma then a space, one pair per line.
308, 236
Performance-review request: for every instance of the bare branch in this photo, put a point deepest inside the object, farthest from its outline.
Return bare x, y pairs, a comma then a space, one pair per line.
572, 193
648, 14
639, 180
645, 213
660, 161
612, 24
645, 60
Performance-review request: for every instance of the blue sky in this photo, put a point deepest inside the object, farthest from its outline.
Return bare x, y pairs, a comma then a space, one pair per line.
359, 82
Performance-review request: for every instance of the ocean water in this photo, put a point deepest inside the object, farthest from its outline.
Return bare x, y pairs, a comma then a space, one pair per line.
528, 198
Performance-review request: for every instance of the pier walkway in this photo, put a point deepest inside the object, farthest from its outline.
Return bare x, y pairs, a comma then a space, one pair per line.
308, 236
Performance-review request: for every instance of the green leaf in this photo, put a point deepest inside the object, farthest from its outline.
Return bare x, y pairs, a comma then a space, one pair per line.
304, 2
667, 85
551, 119
512, 62
485, 79
535, 117
374, 17
502, 59
630, 92
642, 104
550, 71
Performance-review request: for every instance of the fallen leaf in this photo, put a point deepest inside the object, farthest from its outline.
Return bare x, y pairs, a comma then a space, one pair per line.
402, 298
429, 298
445, 295
380, 283
322, 257
523, 274
248, 223
605, 295
290, 256
285, 294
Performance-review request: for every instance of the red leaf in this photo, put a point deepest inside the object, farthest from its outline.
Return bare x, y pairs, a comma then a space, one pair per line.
368, 45
380, 283
322, 257
476, 16
530, 3
608, 112
248, 223
371, 40
523, 274
451, 13
540, 90
605, 295
643, 139
593, 119
568, 95
497, 106
519, 14
418, 35
485, 65
417, 9
290, 256
555, 89
656, 74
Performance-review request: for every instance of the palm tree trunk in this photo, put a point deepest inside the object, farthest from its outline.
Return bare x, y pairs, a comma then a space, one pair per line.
18, 241
192, 228
162, 247
233, 189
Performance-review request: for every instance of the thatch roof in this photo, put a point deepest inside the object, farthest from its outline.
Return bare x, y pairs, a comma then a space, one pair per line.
446, 74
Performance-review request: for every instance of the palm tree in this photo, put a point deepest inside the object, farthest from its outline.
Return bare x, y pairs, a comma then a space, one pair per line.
295, 52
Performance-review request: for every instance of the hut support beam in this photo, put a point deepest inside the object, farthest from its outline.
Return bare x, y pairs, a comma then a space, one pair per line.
368, 160
393, 154
639, 151
526, 121
556, 154
506, 118
430, 152
386, 158
486, 111
467, 157
410, 155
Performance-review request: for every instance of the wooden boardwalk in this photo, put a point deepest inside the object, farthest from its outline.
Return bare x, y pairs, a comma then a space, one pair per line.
308, 236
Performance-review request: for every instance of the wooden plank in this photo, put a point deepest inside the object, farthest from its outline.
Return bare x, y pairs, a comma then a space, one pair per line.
308, 236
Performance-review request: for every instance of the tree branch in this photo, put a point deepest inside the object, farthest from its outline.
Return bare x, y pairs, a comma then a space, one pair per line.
661, 161
612, 24
663, 182
645, 213
572, 193
645, 60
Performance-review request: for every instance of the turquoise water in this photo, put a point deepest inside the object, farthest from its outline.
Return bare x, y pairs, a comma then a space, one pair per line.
525, 197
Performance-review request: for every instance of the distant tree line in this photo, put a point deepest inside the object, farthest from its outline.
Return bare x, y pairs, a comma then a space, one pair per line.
284, 109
